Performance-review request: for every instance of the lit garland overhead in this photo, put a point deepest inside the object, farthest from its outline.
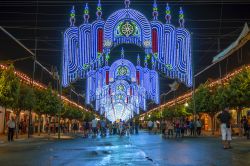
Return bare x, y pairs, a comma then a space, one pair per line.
28, 81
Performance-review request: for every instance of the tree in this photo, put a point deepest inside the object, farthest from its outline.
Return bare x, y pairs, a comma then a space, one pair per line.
156, 115
203, 99
39, 106
51, 103
168, 113
239, 90
26, 101
9, 89
88, 116
220, 97
72, 112
175, 111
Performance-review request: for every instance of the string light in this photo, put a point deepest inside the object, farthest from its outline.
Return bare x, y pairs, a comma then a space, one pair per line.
28, 81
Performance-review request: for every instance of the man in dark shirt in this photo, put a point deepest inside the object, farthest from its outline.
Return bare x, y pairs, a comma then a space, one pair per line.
226, 133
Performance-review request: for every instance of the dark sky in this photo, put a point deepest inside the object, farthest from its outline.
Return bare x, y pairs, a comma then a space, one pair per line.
209, 21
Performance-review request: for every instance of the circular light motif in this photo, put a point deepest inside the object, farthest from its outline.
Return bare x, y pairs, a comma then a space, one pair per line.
119, 107
127, 29
120, 87
147, 43
107, 43
122, 71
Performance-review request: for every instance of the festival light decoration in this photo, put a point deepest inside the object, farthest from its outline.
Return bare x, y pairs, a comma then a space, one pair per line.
87, 51
155, 11
168, 14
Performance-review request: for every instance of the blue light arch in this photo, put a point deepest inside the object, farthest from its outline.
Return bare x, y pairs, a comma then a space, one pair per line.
87, 51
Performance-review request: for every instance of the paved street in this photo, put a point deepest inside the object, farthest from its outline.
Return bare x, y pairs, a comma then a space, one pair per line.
142, 149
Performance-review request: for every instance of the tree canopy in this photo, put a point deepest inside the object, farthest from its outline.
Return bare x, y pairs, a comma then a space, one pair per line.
26, 98
9, 88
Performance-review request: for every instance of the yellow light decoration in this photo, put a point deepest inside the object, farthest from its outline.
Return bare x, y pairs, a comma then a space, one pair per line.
28, 81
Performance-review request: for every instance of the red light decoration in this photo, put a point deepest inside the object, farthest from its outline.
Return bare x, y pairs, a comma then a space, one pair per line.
100, 40
154, 41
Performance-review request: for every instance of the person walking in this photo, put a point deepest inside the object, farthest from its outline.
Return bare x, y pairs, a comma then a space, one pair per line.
182, 127
198, 127
103, 127
191, 125
132, 126
155, 127
136, 125
170, 127
94, 127
226, 133
150, 125
120, 126
74, 127
11, 127
177, 129
244, 123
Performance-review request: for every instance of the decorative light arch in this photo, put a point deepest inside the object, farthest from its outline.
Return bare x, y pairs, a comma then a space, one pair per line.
87, 53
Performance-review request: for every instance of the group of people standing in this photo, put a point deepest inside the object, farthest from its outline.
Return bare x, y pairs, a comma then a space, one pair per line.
179, 127
104, 127
176, 128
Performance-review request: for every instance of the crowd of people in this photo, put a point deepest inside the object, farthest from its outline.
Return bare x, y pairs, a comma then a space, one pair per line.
180, 127
175, 128
103, 127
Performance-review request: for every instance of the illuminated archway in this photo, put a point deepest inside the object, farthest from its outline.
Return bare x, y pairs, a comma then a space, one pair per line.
87, 49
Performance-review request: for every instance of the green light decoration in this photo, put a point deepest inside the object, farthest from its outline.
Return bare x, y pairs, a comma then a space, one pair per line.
99, 8
148, 56
169, 67
86, 10
120, 87
181, 14
122, 70
85, 66
99, 55
107, 57
156, 55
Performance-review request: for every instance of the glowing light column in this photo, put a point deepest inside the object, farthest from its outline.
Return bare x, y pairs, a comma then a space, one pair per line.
170, 45
184, 52
70, 55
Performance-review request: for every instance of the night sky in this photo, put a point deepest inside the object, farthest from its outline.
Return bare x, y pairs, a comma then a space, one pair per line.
209, 21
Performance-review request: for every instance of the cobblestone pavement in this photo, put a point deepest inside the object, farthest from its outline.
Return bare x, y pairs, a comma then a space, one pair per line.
143, 149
